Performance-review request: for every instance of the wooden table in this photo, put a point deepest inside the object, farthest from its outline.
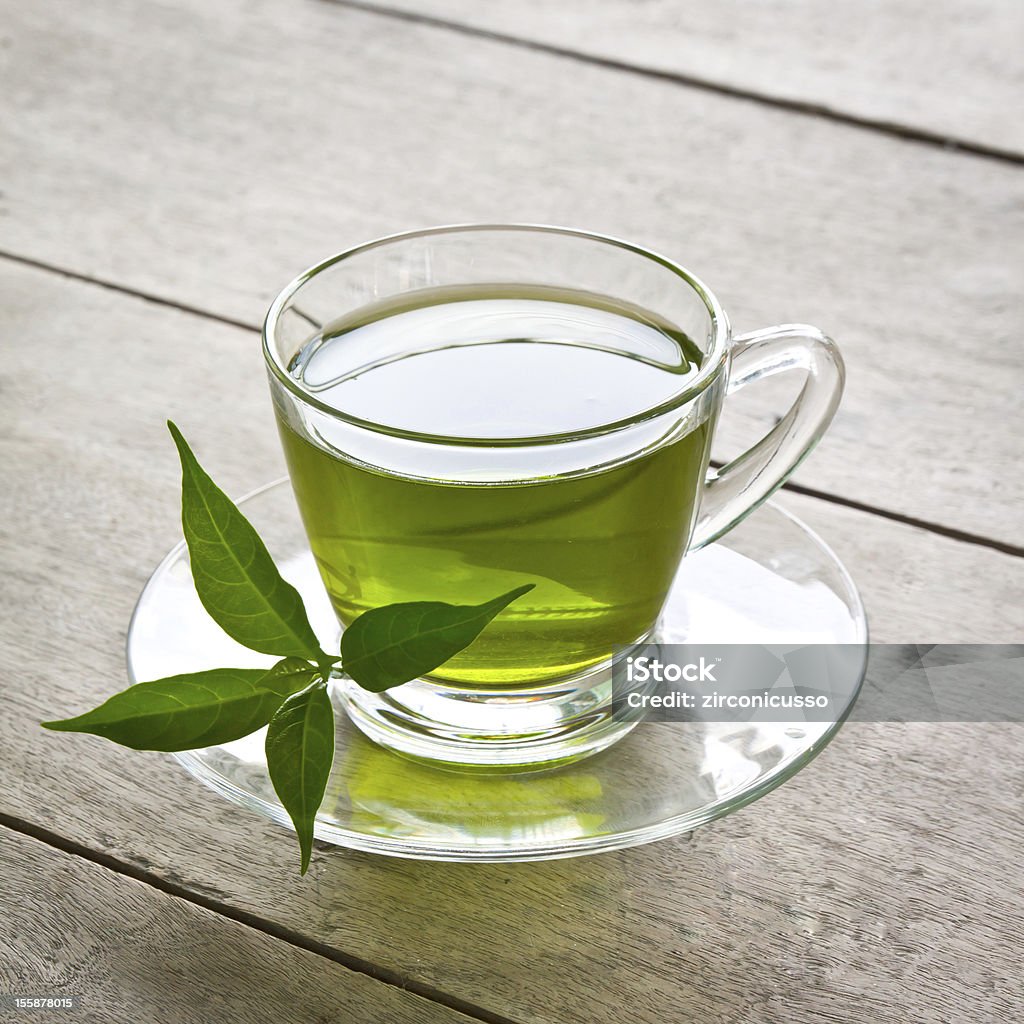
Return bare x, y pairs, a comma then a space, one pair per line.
166, 167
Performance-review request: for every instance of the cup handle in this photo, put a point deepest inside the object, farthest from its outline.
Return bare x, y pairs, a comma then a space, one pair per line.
734, 491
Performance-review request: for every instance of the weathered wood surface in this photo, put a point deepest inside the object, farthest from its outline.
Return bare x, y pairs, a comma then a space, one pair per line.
951, 69
132, 954
862, 886
202, 154
205, 153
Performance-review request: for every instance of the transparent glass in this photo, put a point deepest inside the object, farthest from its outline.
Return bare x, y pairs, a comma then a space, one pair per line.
771, 580
405, 499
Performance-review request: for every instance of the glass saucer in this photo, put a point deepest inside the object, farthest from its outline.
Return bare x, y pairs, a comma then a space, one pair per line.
769, 580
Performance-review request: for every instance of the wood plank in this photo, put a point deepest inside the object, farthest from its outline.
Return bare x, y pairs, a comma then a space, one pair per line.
130, 953
860, 886
228, 145
950, 69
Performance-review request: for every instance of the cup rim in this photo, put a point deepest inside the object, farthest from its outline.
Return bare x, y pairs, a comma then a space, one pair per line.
714, 360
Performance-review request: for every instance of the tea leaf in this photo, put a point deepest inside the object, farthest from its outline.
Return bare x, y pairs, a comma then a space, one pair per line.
235, 577
198, 709
300, 751
388, 646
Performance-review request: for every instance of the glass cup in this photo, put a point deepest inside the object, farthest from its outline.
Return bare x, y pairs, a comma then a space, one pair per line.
429, 463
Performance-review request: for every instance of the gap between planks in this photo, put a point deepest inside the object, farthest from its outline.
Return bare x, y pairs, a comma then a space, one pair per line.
893, 129
964, 536
371, 970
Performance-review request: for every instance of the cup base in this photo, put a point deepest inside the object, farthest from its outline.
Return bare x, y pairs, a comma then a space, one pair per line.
500, 728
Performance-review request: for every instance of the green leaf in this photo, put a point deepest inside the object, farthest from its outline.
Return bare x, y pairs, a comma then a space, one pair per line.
300, 750
199, 709
391, 645
235, 577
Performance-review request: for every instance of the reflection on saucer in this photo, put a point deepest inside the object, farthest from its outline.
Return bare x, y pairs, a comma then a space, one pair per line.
387, 794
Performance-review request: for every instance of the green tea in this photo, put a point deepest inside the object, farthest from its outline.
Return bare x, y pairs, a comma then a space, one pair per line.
442, 521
